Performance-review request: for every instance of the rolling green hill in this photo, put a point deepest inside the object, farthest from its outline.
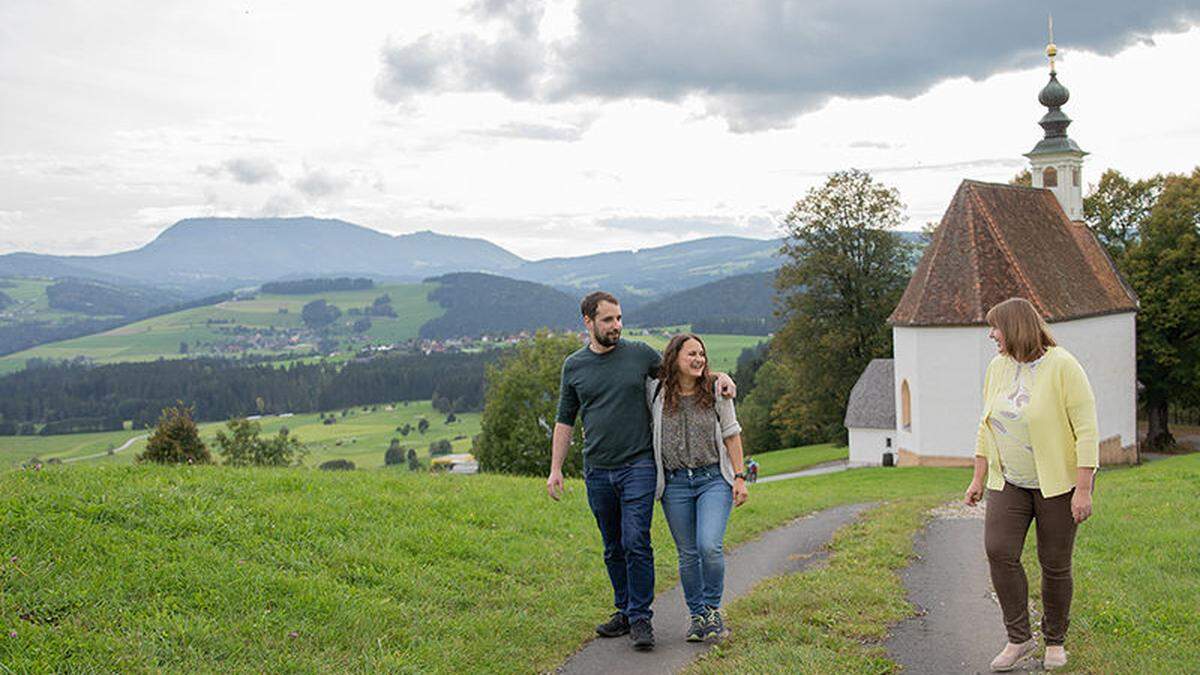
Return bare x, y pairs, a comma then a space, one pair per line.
229, 328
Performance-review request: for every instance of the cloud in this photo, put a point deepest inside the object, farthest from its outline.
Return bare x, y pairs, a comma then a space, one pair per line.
536, 132
245, 170
758, 65
874, 145
320, 183
745, 226
965, 165
252, 171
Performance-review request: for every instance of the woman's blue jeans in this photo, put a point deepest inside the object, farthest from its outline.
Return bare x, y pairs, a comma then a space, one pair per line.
696, 503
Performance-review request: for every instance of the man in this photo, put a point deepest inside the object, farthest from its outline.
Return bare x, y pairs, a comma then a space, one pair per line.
604, 382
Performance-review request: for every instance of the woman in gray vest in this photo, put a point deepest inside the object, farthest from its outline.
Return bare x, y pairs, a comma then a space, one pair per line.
698, 452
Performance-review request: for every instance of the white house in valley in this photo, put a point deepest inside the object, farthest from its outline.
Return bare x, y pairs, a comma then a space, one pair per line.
994, 242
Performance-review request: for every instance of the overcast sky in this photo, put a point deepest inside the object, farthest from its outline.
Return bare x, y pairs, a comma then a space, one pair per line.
555, 127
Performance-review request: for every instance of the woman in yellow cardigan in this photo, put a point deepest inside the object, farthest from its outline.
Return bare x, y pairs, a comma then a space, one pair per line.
1037, 449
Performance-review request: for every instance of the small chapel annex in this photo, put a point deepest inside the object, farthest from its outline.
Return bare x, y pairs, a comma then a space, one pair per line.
994, 242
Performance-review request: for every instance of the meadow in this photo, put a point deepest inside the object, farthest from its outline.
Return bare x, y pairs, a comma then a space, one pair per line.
797, 459
31, 302
362, 436
723, 350
160, 336
199, 569
147, 568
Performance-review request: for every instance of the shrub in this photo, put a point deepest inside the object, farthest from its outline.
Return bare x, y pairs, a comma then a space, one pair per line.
337, 465
414, 464
175, 439
441, 447
395, 453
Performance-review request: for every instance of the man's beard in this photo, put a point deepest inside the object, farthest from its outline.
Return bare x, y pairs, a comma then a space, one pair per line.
605, 340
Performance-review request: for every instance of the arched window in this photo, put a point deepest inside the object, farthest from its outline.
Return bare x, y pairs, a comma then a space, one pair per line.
1049, 177
905, 406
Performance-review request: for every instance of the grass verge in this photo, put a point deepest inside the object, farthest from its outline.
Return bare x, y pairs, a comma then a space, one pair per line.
1136, 606
796, 459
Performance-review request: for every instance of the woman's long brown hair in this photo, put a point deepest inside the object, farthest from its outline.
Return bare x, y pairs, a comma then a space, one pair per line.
668, 374
1026, 335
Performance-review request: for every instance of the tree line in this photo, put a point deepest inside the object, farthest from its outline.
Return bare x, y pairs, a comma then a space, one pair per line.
307, 286
222, 389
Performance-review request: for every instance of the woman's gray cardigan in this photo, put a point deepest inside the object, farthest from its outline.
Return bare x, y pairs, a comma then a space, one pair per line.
726, 426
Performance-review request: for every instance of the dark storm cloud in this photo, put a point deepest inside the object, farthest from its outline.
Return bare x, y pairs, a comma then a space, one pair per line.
759, 64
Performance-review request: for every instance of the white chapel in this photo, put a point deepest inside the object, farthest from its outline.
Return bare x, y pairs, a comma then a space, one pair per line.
994, 242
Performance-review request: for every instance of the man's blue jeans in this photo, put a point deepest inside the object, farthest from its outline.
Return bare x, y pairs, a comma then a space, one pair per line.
696, 503
623, 502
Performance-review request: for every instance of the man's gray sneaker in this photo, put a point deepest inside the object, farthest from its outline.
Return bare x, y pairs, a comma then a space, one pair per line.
642, 634
697, 629
616, 626
714, 625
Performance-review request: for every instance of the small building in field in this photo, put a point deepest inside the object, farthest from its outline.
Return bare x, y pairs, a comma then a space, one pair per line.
871, 415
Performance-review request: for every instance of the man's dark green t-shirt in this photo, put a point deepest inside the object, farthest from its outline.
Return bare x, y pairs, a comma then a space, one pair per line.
609, 392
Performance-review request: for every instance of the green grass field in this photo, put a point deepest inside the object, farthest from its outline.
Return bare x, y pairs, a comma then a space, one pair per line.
32, 303
1136, 606
723, 350
142, 568
361, 437
796, 459
159, 337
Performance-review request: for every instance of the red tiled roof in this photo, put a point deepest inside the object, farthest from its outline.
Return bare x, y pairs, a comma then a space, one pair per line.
998, 241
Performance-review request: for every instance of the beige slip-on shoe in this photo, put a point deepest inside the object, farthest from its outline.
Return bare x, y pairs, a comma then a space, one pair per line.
1056, 657
1011, 654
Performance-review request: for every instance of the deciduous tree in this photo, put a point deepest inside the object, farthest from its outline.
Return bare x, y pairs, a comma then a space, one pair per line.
175, 439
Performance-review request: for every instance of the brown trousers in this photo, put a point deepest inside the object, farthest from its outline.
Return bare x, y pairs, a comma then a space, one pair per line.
1008, 514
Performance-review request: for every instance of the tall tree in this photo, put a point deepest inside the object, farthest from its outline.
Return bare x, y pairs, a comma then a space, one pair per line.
1117, 208
1163, 266
519, 409
845, 272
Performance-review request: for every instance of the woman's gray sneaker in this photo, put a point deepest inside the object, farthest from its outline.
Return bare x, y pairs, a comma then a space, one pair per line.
616, 626
697, 629
714, 625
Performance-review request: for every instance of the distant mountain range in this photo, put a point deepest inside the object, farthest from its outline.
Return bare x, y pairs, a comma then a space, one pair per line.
200, 256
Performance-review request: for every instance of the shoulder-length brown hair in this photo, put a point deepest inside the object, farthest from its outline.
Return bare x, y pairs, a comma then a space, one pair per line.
1026, 335
668, 374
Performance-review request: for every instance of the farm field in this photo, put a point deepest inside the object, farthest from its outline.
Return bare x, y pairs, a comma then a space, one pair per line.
30, 302
361, 437
160, 337
723, 350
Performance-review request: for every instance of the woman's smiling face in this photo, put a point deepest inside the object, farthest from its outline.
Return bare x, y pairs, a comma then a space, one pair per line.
691, 359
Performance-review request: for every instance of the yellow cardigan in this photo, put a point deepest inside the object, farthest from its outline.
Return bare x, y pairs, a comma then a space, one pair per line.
1062, 421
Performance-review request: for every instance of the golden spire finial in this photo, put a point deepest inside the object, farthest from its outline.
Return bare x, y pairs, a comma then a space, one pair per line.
1051, 49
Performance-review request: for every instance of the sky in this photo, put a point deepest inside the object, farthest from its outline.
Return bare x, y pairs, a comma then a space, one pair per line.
556, 127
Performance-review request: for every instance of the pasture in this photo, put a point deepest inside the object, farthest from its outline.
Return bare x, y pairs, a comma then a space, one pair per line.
205, 328
362, 436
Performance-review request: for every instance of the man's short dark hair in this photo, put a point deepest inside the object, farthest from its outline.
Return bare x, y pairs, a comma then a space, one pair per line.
591, 302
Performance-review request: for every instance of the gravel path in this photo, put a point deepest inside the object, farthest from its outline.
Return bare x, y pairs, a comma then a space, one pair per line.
787, 549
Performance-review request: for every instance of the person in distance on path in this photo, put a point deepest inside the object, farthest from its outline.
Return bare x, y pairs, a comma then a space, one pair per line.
604, 383
1037, 449
701, 475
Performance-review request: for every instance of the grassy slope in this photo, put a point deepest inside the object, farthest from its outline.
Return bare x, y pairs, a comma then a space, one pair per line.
364, 435
207, 568
33, 304
1136, 607
160, 336
795, 459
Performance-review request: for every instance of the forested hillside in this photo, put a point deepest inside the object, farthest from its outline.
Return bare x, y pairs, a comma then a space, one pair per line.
742, 304
484, 304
